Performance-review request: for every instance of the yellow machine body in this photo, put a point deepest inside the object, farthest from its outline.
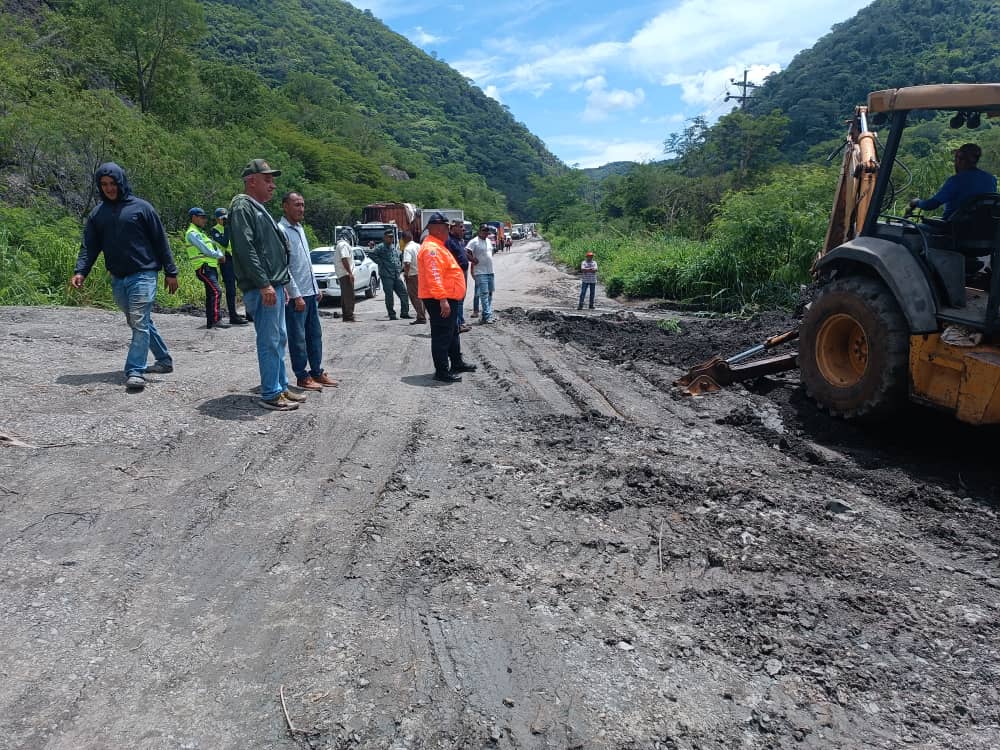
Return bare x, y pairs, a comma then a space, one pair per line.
959, 379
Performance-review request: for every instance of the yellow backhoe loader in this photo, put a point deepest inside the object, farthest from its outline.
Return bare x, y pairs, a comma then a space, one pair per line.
889, 286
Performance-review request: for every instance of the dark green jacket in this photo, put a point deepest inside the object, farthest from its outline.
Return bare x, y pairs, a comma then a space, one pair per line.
259, 247
387, 257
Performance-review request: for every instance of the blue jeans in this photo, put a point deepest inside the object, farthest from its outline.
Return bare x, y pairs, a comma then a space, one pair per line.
135, 295
583, 292
485, 284
272, 337
305, 338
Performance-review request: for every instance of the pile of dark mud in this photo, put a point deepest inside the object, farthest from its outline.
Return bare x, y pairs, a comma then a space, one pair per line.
932, 446
624, 336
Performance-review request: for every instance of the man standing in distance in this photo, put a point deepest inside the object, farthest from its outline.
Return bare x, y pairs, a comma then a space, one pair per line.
480, 251
305, 336
129, 232
386, 254
345, 275
260, 259
410, 250
220, 236
441, 285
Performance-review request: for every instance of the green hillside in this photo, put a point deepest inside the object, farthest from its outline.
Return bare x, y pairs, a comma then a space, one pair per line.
889, 44
329, 52
182, 93
734, 221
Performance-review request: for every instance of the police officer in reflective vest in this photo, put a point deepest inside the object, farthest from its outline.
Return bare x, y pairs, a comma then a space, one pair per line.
205, 255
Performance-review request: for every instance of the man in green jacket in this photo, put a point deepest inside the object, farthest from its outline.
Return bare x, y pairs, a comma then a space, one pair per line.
390, 268
260, 259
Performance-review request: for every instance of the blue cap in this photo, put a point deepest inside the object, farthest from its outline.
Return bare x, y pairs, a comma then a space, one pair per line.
220, 212
437, 218
197, 212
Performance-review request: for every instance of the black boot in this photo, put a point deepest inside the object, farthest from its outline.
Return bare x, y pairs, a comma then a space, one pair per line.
447, 377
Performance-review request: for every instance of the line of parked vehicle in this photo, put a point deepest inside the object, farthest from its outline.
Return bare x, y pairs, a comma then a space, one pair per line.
380, 217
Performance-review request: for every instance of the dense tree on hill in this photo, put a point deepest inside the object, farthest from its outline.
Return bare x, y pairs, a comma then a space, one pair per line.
404, 95
355, 106
147, 41
890, 43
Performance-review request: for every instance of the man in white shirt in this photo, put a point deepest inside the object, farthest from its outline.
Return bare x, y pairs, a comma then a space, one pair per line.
305, 335
480, 251
345, 276
410, 248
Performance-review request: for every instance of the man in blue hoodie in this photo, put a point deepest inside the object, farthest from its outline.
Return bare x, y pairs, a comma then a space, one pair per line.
129, 232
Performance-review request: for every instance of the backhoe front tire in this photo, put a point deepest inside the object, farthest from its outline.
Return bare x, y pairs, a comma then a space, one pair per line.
854, 349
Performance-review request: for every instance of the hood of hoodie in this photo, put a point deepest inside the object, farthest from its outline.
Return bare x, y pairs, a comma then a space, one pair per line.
112, 170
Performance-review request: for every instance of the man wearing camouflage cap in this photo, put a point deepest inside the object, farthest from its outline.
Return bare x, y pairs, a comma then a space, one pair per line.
260, 259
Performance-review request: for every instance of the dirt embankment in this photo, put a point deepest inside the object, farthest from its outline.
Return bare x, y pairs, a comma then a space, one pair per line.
561, 551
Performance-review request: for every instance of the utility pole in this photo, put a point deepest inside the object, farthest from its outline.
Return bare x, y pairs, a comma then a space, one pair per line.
746, 86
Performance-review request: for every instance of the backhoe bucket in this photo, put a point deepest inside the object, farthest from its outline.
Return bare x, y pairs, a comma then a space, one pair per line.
716, 373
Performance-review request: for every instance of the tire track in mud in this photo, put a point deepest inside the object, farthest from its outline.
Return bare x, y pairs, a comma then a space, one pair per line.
493, 351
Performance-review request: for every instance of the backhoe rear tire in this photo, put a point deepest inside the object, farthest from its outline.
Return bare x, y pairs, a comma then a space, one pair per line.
854, 349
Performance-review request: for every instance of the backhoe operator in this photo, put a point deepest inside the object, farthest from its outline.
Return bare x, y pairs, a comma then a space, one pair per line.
968, 180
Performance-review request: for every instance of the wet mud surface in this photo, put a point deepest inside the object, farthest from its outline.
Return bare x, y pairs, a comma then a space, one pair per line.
562, 551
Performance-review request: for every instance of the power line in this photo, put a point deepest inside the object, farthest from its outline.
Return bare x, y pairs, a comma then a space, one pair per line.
746, 86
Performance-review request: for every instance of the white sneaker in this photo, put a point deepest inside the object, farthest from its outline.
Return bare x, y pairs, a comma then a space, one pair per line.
135, 383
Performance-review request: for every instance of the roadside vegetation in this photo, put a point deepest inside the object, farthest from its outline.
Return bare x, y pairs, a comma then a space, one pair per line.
737, 237
734, 217
183, 93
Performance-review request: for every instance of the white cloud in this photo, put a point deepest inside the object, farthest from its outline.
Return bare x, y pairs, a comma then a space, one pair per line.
565, 63
683, 38
671, 119
423, 38
601, 101
680, 44
594, 152
493, 93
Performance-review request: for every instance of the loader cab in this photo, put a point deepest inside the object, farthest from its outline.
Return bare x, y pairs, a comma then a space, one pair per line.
895, 317
947, 281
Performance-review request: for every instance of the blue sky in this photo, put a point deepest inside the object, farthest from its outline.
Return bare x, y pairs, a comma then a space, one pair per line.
602, 81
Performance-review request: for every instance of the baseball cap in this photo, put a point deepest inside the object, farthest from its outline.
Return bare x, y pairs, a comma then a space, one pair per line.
590, 254
259, 166
484, 227
220, 212
437, 218
971, 150
196, 211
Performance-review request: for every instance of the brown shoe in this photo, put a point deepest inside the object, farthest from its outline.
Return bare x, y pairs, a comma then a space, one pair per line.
308, 384
324, 379
464, 328
296, 397
278, 403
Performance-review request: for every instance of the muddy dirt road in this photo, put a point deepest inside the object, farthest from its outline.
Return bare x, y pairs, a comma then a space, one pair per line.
559, 552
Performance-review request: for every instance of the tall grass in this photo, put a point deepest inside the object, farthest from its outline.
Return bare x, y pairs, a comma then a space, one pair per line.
38, 250
760, 248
